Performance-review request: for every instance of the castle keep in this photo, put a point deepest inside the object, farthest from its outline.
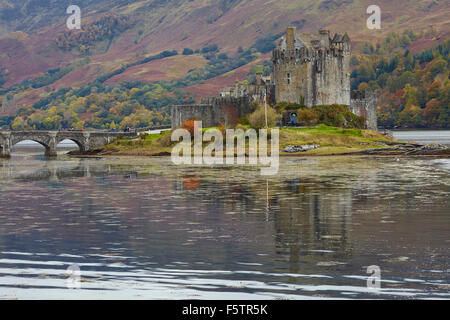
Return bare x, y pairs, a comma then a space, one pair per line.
310, 70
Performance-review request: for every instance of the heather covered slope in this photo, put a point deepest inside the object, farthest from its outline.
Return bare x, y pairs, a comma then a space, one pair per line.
38, 56
158, 25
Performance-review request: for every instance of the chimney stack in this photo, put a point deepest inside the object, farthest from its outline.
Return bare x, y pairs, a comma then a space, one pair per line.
259, 75
290, 38
324, 38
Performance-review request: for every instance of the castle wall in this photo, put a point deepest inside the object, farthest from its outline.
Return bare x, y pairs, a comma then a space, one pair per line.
213, 111
207, 113
241, 106
246, 90
364, 104
291, 76
330, 79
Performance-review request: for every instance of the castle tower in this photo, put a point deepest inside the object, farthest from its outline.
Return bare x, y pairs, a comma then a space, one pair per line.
312, 69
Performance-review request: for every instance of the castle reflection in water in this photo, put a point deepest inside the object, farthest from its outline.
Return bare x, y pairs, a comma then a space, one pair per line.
317, 216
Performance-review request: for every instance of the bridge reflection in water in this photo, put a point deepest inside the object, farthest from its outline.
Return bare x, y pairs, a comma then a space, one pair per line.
51, 171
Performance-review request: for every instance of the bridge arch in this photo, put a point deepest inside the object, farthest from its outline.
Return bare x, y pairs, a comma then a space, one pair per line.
42, 142
81, 145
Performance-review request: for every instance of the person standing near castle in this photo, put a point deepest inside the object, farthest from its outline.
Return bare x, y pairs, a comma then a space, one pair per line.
294, 119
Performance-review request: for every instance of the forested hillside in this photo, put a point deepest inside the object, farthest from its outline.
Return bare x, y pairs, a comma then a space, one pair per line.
414, 89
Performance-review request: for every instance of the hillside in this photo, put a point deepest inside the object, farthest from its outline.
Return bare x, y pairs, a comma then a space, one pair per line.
121, 38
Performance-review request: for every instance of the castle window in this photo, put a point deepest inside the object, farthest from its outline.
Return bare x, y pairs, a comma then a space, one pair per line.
288, 76
319, 65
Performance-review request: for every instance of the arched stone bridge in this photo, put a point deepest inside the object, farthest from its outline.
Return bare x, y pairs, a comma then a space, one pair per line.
50, 139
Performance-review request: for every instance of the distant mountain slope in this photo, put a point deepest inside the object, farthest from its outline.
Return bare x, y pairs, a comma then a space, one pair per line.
159, 25
117, 34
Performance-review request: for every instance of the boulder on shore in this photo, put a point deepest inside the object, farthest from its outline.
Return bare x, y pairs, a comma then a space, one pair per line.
301, 148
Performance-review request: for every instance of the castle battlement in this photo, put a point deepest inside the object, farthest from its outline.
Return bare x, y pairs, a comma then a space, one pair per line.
306, 54
305, 46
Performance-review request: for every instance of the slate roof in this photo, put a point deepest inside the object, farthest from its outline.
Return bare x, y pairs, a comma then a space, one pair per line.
298, 43
339, 38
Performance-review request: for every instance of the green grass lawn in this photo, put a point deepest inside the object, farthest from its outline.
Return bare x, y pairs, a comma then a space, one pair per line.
332, 140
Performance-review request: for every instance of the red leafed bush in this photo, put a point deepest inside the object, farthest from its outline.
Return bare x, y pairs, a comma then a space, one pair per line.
189, 126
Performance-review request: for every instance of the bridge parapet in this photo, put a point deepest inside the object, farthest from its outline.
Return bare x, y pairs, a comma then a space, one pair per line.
50, 139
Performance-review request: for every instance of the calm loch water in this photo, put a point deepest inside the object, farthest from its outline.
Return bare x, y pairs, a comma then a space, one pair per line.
424, 136
146, 229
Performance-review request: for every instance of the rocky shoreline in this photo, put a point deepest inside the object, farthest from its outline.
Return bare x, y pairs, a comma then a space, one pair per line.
392, 149
409, 149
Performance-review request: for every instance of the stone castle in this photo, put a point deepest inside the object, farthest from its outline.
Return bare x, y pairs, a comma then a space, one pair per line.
309, 70
312, 70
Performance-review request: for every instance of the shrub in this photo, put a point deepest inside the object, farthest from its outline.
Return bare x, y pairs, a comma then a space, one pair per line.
211, 48
241, 127
189, 126
188, 51
143, 136
307, 117
282, 106
244, 120
223, 56
339, 116
266, 44
257, 119
166, 139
